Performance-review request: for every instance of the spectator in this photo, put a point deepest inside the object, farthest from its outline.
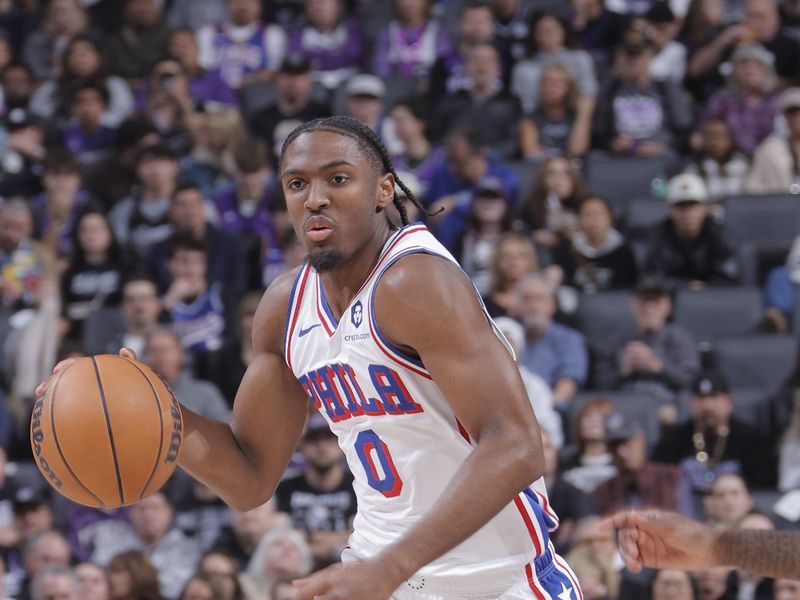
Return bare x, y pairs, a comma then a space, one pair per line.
672, 585
133, 577
23, 155
636, 114
166, 99
411, 42
93, 583
749, 103
662, 26
227, 366
561, 122
551, 46
715, 442
57, 209
141, 307
688, 248
482, 101
206, 87
411, 119
141, 42
16, 82
475, 26
88, 528
44, 551
165, 355
191, 15
82, 63
588, 461
786, 589
728, 502
142, 219
467, 162
188, 216
248, 528
365, 95
722, 167
539, 394
598, 29
321, 500
293, 105
211, 164
84, 135
638, 482
789, 11
711, 584
333, 44
551, 211
201, 587
43, 49
489, 218
222, 567
775, 167
593, 559
56, 583
281, 554
243, 49
789, 450
553, 351
173, 555
660, 359
249, 211
199, 512
94, 278
597, 257
512, 28
514, 257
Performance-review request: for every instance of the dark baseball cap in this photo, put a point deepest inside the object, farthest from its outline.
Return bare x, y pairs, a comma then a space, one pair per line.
29, 498
295, 64
317, 427
619, 428
19, 118
651, 288
635, 42
710, 383
660, 12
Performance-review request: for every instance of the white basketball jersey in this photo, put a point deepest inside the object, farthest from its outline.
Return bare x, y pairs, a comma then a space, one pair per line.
402, 441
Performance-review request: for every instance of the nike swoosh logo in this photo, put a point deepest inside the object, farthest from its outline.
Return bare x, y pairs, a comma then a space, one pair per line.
307, 330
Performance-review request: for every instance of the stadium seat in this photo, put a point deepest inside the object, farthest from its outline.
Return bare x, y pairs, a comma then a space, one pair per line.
527, 173
770, 222
604, 316
751, 405
643, 215
101, 328
756, 361
637, 407
716, 312
620, 179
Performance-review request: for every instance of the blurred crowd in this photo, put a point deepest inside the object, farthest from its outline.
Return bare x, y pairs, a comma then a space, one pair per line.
620, 179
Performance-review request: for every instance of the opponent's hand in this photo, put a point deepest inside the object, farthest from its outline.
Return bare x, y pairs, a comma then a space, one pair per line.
356, 581
663, 540
124, 352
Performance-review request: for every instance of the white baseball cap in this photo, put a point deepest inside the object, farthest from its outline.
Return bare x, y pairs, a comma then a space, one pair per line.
687, 187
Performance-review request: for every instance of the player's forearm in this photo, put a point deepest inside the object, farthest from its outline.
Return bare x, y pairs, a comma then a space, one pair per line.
769, 553
211, 454
508, 463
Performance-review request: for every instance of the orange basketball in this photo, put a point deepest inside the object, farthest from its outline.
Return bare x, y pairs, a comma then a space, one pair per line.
106, 431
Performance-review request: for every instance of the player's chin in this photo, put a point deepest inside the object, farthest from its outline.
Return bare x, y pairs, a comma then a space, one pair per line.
325, 259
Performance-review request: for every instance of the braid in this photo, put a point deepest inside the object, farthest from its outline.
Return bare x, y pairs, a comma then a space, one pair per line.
373, 147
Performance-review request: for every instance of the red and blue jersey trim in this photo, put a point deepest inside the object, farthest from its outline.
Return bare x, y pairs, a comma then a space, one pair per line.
295, 301
324, 312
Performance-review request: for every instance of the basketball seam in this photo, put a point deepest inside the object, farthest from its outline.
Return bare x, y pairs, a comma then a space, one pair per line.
110, 432
58, 445
160, 437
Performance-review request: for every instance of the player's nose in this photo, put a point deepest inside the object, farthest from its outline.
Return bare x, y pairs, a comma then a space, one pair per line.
317, 197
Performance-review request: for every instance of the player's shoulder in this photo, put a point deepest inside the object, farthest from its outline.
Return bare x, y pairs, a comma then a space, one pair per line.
271, 313
424, 275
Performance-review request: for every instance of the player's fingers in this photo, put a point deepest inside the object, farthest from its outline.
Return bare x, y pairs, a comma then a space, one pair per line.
310, 588
127, 353
57, 369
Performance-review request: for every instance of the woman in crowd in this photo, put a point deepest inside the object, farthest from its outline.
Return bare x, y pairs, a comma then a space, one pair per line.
333, 43
202, 587
722, 167
221, 567
133, 577
82, 62
597, 257
590, 463
94, 279
168, 103
551, 211
93, 582
556, 126
672, 585
43, 49
550, 46
514, 258
280, 554
411, 43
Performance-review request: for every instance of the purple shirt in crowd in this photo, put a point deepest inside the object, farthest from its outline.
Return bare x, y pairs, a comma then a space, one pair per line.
750, 120
89, 147
409, 51
330, 50
66, 238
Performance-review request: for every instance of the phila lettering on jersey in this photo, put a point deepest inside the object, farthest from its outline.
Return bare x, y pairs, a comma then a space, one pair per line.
401, 439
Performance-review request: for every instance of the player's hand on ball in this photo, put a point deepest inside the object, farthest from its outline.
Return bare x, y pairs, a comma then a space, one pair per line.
357, 581
61, 365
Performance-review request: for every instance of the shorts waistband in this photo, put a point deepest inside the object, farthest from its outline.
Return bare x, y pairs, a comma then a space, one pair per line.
481, 584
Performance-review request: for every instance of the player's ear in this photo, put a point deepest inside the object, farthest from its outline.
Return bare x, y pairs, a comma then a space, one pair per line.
385, 191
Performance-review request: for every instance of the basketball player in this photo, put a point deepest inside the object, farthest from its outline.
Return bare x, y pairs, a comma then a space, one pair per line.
665, 540
385, 334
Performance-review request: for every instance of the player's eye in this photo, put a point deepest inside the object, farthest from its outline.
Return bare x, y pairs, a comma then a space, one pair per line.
295, 185
340, 179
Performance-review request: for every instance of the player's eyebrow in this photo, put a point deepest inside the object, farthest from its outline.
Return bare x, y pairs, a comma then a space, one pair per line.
325, 167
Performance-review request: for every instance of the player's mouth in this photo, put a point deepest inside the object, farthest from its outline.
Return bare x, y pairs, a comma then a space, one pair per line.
318, 229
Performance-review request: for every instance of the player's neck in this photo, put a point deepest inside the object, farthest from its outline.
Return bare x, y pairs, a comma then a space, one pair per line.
343, 283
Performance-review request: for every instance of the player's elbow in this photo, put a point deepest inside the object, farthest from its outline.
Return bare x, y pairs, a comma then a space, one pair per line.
522, 453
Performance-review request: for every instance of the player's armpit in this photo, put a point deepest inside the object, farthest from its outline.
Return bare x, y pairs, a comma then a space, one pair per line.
243, 462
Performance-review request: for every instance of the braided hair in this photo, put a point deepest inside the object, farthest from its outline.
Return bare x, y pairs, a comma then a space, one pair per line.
372, 146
